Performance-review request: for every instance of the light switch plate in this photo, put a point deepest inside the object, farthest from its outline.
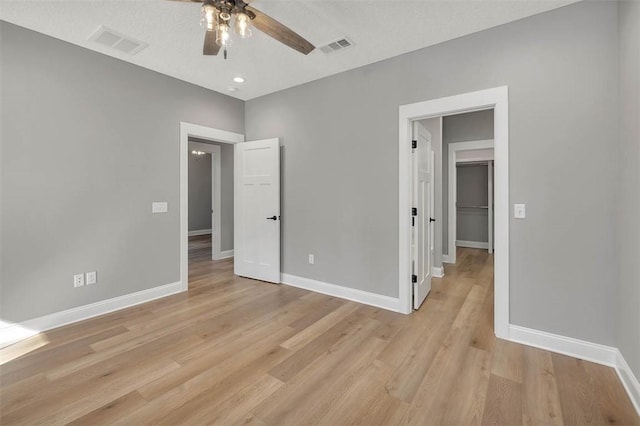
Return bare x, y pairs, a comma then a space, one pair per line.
519, 211
92, 278
159, 207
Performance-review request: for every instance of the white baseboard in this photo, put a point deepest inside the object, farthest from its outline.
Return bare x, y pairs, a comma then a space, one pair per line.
472, 244
14, 332
576, 348
629, 380
445, 259
365, 297
600, 354
437, 272
225, 254
200, 232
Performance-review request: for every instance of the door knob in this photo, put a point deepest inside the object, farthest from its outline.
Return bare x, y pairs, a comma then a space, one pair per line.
431, 220
273, 218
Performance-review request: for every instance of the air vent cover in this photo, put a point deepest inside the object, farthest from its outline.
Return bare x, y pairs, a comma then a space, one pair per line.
117, 41
341, 44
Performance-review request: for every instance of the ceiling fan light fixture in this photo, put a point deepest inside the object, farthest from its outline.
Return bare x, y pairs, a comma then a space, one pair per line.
221, 16
223, 35
243, 25
208, 19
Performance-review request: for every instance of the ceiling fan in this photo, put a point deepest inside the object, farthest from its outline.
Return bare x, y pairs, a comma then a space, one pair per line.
219, 16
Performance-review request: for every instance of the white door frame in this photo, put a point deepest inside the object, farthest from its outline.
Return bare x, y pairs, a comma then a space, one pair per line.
498, 100
216, 202
454, 149
200, 132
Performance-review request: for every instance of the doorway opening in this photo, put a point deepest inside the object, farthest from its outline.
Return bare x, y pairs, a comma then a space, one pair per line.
202, 181
492, 99
211, 143
469, 218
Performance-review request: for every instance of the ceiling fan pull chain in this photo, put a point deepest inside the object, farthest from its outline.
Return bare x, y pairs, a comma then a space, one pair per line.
225, 53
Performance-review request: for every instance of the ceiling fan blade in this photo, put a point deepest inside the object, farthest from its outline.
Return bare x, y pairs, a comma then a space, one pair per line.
275, 29
210, 47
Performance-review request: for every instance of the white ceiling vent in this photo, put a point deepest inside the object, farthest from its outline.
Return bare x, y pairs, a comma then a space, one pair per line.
341, 44
115, 40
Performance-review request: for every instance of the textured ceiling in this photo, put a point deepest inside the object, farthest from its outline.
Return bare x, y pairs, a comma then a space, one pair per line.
378, 29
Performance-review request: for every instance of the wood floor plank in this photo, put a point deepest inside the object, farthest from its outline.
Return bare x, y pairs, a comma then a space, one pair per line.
305, 355
508, 358
236, 380
503, 405
238, 351
232, 409
323, 324
112, 411
408, 376
199, 373
314, 386
73, 403
431, 397
360, 406
613, 401
483, 336
30, 364
468, 395
21, 393
399, 347
578, 392
541, 402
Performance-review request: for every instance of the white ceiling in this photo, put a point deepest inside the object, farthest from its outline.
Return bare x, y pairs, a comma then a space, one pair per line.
378, 29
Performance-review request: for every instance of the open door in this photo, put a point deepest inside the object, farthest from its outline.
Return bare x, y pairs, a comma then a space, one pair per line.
257, 210
422, 236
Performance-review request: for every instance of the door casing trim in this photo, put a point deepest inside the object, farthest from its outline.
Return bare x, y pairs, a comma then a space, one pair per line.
497, 99
201, 132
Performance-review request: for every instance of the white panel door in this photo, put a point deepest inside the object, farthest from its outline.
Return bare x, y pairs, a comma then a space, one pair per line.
422, 241
257, 210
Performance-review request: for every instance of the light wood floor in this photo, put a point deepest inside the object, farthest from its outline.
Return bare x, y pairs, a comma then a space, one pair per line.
235, 351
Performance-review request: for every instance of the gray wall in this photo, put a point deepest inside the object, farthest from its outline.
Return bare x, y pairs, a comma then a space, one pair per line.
434, 126
628, 314
340, 138
460, 128
87, 143
199, 192
473, 190
226, 193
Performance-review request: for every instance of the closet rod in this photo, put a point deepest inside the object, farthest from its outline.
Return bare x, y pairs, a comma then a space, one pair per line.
472, 163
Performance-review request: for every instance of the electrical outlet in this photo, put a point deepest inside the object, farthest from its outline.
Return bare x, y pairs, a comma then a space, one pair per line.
92, 278
312, 259
78, 280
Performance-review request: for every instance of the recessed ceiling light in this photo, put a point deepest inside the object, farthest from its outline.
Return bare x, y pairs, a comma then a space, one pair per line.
238, 79
233, 89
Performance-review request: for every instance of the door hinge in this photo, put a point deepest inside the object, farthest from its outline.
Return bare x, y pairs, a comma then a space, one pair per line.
414, 144
414, 278
414, 211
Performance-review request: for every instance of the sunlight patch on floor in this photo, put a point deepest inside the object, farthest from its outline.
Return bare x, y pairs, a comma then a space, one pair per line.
16, 341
